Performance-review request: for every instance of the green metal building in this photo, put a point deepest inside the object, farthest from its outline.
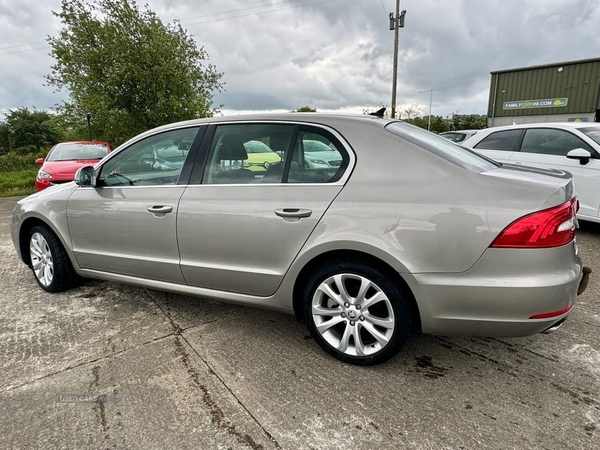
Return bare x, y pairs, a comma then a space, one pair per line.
560, 92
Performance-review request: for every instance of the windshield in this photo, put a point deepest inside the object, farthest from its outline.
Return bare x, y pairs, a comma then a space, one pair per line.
75, 151
441, 147
592, 133
257, 147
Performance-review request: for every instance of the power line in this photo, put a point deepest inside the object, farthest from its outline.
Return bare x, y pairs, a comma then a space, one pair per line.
264, 12
238, 10
21, 45
46, 45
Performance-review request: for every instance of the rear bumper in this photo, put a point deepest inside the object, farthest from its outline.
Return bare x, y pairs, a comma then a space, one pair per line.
502, 293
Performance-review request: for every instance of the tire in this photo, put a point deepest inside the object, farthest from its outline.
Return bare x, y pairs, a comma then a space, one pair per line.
50, 263
356, 313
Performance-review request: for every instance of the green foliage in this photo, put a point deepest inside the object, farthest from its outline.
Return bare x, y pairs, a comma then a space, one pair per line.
306, 109
4, 139
128, 69
17, 174
20, 182
26, 132
438, 123
468, 121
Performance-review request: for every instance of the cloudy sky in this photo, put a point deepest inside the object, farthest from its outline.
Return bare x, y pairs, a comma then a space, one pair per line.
333, 55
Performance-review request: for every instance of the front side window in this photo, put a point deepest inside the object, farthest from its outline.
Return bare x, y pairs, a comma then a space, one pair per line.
155, 160
551, 142
507, 140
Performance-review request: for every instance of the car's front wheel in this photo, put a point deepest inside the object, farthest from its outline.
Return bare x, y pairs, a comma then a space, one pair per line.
357, 312
49, 261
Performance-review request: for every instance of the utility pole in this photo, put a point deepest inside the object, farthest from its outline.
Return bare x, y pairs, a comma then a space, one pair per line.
88, 116
396, 22
430, 101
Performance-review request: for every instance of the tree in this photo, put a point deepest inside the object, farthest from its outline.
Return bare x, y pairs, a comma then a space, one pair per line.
128, 69
306, 109
28, 131
468, 121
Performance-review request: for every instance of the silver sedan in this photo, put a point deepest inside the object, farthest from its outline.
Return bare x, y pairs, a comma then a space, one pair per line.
406, 233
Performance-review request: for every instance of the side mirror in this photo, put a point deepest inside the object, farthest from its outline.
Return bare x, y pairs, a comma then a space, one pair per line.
85, 176
39, 161
581, 154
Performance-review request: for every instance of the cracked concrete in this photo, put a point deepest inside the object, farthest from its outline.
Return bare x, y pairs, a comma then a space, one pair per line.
113, 366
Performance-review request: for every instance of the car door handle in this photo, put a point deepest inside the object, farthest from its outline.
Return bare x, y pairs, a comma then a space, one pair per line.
162, 209
293, 213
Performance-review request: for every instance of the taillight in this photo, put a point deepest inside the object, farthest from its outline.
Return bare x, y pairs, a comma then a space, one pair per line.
551, 227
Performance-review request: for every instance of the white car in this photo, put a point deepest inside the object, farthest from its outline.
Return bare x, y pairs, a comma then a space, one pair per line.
570, 146
458, 136
318, 155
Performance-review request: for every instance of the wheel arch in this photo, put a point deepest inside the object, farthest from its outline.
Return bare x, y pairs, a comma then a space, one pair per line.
381, 265
24, 232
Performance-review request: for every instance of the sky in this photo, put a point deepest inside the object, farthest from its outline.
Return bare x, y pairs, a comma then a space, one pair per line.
332, 55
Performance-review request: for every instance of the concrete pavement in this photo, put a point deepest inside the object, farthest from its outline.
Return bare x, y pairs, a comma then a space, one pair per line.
113, 366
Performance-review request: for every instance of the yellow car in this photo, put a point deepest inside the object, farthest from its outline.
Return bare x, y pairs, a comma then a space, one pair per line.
260, 156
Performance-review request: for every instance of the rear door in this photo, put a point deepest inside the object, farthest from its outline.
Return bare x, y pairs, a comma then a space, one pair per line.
239, 230
548, 148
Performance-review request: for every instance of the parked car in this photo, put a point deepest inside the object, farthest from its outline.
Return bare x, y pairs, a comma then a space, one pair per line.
260, 156
318, 154
571, 146
458, 136
65, 158
409, 233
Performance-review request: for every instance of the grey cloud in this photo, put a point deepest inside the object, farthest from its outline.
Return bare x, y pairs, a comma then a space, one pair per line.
339, 54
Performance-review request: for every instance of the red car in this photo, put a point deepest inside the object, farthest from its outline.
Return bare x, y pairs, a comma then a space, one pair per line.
65, 158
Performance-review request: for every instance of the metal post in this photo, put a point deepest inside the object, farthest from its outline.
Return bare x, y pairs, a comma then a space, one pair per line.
396, 22
430, 101
88, 116
395, 75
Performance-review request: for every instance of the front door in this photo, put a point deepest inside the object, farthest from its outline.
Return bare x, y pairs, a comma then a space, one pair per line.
548, 148
127, 224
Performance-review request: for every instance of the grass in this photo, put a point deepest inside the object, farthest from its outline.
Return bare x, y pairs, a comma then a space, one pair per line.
17, 174
17, 182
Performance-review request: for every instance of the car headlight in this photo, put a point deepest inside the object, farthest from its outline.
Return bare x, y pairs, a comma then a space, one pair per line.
317, 161
246, 164
43, 175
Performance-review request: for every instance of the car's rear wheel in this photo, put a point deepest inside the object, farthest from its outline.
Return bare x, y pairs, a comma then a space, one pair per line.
49, 261
357, 312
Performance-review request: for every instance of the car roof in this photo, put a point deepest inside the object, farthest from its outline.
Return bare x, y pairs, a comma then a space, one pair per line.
327, 119
563, 125
460, 131
84, 142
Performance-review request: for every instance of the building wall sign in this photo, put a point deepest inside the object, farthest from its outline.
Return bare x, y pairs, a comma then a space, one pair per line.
530, 104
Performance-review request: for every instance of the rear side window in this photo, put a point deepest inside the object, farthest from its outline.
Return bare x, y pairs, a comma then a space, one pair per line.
507, 140
318, 157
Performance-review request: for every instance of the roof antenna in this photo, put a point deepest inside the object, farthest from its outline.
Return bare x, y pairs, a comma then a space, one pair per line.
379, 113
